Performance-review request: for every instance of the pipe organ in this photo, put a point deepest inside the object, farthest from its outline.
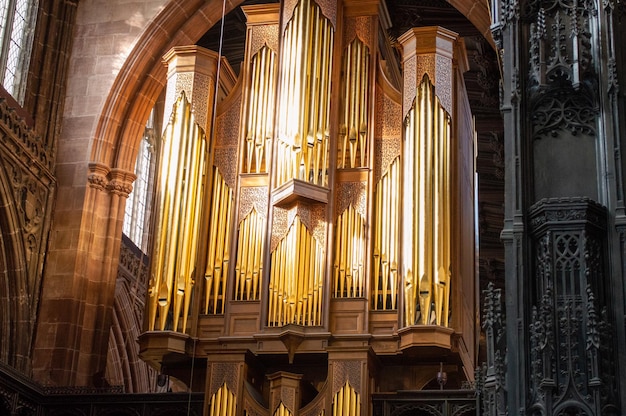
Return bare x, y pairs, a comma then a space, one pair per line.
312, 223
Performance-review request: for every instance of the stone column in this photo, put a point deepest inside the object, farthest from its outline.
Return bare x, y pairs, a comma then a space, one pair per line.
79, 285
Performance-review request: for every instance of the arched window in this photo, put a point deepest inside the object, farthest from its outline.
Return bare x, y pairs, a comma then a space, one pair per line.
136, 216
17, 24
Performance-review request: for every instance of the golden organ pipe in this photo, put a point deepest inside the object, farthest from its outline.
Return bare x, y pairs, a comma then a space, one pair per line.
218, 255
253, 101
386, 239
357, 97
338, 255
428, 143
258, 254
363, 107
208, 274
217, 258
297, 280
271, 289
241, 241
311, 287
448, 218
267, 111
436, 204
260, 87
361, 257
288, 276
249, 261
172, 230
316, 294
350, 401
343, 271
297, 265
160, 295
195, 214
319, 277
218, 403
226, 243
393, 251
279, 285
187, 233
219, 247
232, 406
377, 243
346, 93
348, 253
338, 402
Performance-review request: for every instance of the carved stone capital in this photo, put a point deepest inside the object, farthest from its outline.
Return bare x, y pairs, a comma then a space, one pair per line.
113, 180
97, 175
121, 182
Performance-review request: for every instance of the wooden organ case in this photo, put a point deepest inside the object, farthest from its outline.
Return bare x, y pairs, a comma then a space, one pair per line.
314, 238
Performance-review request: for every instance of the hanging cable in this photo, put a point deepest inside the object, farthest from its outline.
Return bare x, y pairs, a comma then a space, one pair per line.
219, 67
212, 132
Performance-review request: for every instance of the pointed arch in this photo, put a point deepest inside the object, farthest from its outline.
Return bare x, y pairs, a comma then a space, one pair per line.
142, 78
15, 304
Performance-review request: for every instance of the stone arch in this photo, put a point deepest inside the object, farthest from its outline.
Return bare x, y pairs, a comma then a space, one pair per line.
142, 76
15, 322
